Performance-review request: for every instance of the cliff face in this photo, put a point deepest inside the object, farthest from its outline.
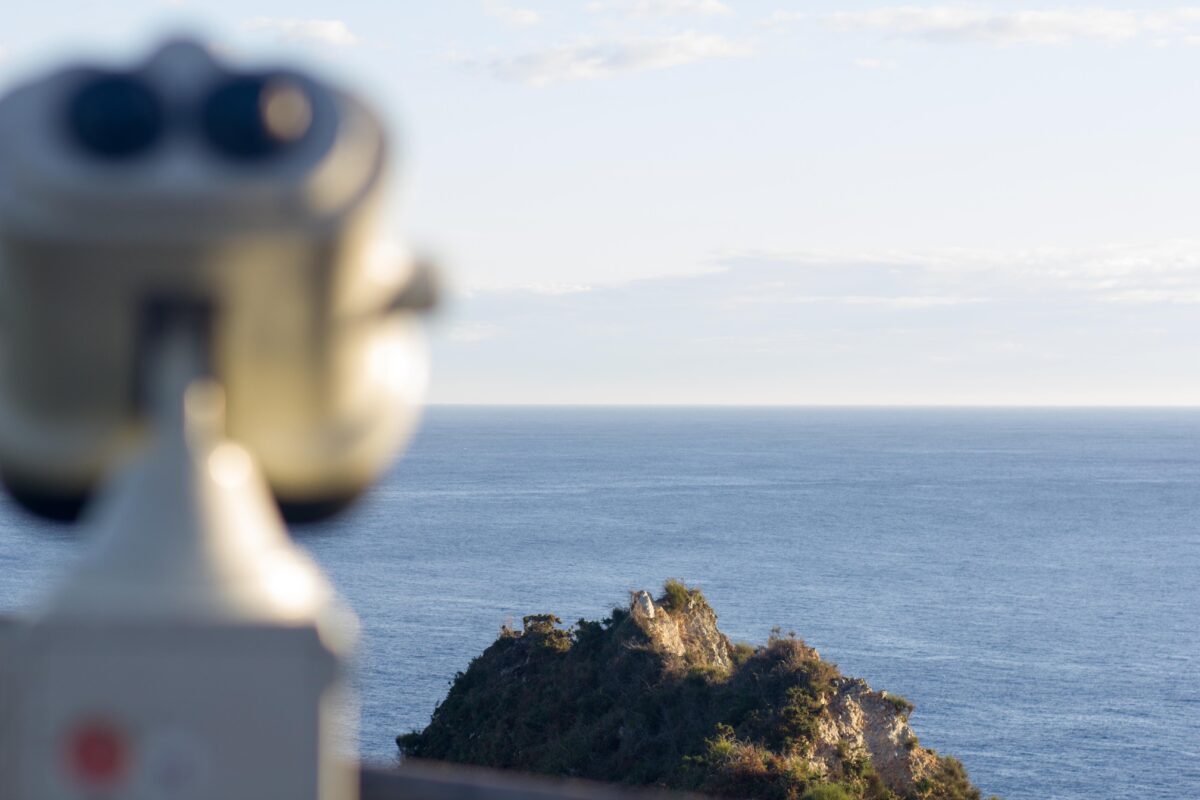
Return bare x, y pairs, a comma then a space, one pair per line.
688, 636
658, 695
860, 721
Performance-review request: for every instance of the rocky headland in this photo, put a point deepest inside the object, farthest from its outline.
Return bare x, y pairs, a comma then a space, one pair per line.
657, 695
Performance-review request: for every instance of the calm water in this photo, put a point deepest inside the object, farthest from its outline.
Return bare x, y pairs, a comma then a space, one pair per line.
1028, 578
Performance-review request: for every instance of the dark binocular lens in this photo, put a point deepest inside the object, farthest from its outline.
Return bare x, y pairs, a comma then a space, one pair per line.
244, 118
115, 116
252, 117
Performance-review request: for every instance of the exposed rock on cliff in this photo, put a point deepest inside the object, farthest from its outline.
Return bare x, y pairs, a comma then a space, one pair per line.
658, 695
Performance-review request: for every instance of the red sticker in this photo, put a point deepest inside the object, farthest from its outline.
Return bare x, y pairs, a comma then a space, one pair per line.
98, 754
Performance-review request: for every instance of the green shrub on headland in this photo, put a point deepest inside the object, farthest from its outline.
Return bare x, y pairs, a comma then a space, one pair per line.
828, 791
902, 704
675, 595
660, 697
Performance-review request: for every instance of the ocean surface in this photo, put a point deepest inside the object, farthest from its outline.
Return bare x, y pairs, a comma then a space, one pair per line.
1029, 578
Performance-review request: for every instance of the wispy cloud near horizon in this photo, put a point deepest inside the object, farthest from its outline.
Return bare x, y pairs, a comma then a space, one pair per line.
591, 59
963, 24
660, 8
295, 30
1163, 272
511, 15
934, 326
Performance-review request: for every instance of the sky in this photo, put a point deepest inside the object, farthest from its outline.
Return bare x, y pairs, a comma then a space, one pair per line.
776, 202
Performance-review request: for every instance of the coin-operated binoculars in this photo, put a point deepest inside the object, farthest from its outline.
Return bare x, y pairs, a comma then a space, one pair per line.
193, 337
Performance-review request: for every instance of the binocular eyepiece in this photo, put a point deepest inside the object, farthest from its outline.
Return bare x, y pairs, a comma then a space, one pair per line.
237, 203
245, 118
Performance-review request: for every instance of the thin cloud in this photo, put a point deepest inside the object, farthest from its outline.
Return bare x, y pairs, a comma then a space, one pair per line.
1102, 325
590, 60
510, 15
956, 24
294, 30
557, 288
473, 332
898, 301
1165, 273
783, 18
537, 288
661, 8
1143, 297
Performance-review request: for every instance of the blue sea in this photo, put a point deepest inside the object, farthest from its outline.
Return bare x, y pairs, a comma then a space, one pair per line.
1029, 578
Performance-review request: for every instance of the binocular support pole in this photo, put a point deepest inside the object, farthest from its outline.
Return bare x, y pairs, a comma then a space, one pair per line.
195, 651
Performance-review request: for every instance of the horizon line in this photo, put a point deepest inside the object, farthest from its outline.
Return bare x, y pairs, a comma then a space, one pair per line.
981, 406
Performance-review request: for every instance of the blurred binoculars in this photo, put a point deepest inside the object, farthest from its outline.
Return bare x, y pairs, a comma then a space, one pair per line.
239, 204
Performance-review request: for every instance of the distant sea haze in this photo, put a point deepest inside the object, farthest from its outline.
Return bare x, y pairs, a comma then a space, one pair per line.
1028, 578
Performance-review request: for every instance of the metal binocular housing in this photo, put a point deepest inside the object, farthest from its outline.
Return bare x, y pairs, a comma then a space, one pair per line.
238, 204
